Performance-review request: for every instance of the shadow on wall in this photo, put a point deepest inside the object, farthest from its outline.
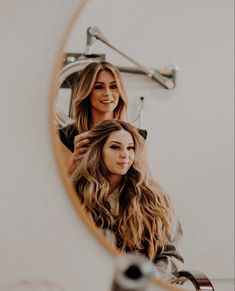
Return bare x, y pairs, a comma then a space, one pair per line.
31, 285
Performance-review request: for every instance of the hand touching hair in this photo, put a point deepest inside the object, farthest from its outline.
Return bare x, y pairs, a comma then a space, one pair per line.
145, 210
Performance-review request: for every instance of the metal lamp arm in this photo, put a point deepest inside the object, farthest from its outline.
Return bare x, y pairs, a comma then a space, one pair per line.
94, 32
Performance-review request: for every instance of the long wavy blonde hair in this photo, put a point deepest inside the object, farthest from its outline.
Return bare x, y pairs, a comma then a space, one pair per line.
144, 208
81, 110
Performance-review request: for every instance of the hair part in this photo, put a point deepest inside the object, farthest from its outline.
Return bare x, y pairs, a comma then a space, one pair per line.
81, 109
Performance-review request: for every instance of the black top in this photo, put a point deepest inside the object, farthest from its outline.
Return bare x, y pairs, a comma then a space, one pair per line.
68, 133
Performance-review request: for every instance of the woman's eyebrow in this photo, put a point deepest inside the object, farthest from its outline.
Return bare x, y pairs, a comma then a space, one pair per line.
99, 82
114, 141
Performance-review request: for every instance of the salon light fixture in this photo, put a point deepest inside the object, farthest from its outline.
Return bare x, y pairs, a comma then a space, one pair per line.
75, 62
166, 77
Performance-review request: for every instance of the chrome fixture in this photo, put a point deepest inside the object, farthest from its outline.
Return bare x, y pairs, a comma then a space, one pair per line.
166, 76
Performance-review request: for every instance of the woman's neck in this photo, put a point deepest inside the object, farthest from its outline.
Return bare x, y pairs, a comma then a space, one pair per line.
114, 181
98, 117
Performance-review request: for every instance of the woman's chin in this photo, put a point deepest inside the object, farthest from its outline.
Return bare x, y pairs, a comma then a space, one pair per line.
122, 172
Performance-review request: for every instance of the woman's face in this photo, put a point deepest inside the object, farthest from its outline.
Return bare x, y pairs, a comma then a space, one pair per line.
118, 152
105, 94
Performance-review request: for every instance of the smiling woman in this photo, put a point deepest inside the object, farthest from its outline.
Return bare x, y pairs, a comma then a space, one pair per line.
98, 95
189, 147
104, 97
118, 155
117, 192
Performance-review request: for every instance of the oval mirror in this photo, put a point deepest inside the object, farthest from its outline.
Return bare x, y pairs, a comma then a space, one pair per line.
166, 107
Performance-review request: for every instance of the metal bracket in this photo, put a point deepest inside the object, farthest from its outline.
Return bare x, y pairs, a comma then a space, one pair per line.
166, 76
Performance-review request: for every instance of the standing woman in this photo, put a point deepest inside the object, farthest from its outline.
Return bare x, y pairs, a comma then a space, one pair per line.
98, 95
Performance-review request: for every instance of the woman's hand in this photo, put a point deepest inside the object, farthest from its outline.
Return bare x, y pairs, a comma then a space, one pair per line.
81, 143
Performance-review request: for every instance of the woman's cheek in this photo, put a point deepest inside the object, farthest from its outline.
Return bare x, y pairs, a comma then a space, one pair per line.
111, 154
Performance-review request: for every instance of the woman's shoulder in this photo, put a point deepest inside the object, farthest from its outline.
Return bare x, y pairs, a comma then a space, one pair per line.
67, 135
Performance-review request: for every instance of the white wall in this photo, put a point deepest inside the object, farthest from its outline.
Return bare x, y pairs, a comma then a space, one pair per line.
41, 233
190, 128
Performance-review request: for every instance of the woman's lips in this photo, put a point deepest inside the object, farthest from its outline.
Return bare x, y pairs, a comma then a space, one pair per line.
123, 164
105, 101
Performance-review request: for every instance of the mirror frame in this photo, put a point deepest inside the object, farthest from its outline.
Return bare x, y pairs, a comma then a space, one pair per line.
59, 161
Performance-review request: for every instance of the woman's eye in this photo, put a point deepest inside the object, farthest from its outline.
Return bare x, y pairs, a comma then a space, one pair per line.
113, 87
114, 147
131, 148
98, 87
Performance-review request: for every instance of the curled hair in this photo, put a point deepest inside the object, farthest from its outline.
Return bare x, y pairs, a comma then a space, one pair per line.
144, 208
81, 111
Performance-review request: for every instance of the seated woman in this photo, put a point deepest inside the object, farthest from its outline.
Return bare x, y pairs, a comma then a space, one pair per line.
113, 184
98, 95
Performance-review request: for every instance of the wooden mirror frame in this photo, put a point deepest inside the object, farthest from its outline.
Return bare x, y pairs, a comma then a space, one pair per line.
60, 162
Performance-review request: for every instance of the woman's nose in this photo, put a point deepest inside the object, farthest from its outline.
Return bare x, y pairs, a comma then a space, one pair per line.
108, 92
124, 154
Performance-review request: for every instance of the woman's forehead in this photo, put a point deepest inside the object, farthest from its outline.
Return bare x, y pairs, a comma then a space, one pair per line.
122, 136
105, 76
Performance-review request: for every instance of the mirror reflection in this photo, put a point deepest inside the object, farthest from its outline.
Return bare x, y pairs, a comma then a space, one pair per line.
186, 147
109, 171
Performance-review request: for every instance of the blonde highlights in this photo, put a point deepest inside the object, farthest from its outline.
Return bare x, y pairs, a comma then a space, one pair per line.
81, 111
145, 210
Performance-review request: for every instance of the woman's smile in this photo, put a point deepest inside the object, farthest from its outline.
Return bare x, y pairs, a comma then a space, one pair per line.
123, 164
106, 101
105, 95
118, 153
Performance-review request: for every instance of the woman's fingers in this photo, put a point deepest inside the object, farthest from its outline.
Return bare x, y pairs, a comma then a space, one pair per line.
81, 143
81, 136
80, 151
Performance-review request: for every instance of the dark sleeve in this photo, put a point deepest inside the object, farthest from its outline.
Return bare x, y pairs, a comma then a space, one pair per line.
169, 259
143, 132
67, 135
